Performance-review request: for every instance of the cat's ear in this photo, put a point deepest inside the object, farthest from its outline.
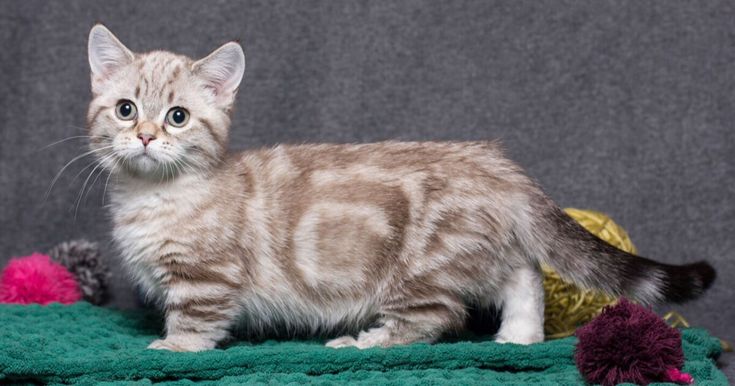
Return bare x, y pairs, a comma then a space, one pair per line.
106, 53
222, 71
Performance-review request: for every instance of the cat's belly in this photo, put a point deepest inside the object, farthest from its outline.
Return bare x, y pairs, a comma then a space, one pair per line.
292, 313
322, 287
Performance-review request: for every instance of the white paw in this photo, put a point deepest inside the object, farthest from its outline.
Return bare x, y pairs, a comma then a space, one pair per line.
181, 344
160, 344
344, 341
375, 337
520, 338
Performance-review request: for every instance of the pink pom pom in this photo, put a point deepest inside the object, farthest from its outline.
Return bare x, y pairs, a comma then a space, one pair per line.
676, 376
37, 279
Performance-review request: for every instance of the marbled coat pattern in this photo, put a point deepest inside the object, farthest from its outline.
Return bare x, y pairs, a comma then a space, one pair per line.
391, 240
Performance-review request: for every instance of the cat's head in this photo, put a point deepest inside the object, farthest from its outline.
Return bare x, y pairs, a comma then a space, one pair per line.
158, 115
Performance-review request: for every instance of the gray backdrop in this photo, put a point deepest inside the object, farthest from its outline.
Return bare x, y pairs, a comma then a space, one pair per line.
625, 107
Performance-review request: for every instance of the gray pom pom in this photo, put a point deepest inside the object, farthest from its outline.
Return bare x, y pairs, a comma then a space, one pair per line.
82, 258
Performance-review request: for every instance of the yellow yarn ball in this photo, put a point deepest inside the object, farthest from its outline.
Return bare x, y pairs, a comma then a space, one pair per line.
568, 306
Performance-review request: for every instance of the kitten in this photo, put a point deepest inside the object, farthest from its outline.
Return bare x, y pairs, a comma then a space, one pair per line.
396, 240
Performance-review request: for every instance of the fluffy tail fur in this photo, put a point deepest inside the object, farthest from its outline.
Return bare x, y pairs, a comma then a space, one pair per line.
583, 258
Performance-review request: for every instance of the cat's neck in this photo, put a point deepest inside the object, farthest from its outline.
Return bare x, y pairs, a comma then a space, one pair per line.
187, 187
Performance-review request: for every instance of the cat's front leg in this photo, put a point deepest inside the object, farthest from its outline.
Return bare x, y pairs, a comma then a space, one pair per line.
198, 316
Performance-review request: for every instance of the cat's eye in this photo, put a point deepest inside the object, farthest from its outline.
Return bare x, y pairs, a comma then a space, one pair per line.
177, 117
126, 110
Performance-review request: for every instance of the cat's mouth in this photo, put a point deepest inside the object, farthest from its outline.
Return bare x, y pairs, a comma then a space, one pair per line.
148, 166
145, 157
145, 163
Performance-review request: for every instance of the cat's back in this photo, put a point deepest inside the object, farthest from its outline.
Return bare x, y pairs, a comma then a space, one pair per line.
391, 158
398, 177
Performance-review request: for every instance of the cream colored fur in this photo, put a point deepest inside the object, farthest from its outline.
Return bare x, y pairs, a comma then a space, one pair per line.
387, 243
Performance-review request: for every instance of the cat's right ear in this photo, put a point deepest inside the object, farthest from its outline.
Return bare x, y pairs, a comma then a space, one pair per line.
106, 53
222, 72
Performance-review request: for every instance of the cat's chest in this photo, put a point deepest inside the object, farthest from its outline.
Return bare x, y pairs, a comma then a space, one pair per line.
145, 221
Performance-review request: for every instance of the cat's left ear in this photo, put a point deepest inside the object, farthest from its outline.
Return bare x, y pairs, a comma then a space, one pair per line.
222, 72
106, 53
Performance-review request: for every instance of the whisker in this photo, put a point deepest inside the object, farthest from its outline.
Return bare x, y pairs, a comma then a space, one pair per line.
169, 172
107, 181
181, 166
56, 178
163, 173
87, 167
120, 163
173, 171
164, 166
69, 139
102, 170
195, 162
81, 193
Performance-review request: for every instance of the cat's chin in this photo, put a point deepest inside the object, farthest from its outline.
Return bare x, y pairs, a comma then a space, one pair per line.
145, 163
145, 166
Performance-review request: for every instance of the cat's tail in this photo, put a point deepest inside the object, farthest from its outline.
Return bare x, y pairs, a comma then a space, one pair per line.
583, 258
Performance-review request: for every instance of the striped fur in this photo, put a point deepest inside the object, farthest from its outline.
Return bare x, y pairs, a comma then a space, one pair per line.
387, 243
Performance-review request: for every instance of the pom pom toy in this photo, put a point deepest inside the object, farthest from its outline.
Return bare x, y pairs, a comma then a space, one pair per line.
629, 343
37, 279
82, 258
73, 270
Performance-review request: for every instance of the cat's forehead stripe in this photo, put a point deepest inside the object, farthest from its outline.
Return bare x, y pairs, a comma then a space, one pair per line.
158, 73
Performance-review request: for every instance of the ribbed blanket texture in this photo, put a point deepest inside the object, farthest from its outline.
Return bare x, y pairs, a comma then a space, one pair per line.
84, 344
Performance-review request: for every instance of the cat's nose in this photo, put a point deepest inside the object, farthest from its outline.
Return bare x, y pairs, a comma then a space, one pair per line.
146, 138
146, 132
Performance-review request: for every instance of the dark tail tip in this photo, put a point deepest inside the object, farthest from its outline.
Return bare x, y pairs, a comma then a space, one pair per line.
687, 282
706, 272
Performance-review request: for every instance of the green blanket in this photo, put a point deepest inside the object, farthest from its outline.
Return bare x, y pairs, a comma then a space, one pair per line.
88, 345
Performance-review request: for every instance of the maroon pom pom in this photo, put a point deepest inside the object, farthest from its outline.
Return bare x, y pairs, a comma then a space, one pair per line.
627, 343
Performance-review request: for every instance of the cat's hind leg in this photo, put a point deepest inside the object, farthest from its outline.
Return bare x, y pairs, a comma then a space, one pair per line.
409, 321
522, 298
